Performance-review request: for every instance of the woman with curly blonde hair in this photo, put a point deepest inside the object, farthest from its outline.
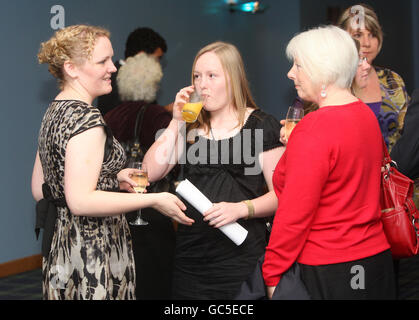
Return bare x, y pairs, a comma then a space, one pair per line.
86, 247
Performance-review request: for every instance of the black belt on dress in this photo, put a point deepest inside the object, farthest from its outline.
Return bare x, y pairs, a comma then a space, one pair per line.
46, 216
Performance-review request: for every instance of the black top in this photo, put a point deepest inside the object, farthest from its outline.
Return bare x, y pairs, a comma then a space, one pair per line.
406, 150
208, 264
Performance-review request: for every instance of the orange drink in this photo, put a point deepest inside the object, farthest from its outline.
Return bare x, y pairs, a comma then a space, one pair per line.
191, 110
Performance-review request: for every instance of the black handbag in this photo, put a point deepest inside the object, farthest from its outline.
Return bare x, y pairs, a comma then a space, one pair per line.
132, 148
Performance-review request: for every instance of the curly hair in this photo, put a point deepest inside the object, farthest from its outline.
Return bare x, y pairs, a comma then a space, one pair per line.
74, 43
139, 78
144, 39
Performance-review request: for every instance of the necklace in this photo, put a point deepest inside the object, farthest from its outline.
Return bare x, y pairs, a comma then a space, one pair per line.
212, 134
214, 159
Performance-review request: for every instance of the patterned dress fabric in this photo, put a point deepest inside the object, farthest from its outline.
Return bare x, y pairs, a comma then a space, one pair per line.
90, 257
394, 105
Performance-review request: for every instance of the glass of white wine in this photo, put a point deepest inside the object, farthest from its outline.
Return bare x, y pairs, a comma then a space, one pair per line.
294, 115
141, 179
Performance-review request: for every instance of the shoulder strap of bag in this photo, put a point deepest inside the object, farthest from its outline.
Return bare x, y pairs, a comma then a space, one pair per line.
387, 162
139, 121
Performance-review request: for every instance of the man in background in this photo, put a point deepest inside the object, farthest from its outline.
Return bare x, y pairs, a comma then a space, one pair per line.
140, 40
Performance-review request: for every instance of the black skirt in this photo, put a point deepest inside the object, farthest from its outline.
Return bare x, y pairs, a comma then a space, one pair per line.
368, 278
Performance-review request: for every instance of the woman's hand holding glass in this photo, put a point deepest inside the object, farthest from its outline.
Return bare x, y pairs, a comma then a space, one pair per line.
125, 180
294, 115
282, 137
166, 203
182, 97
141, 180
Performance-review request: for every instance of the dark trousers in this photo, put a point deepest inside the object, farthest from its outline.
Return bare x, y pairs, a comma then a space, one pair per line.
368, 278
154, 247
396, 266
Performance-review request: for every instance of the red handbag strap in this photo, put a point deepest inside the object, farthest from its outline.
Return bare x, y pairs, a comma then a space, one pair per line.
386, 155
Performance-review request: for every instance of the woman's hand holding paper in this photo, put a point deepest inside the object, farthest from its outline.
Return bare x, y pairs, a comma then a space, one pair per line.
223, 213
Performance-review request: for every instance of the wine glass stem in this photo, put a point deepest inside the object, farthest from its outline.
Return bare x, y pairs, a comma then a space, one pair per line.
139, 210
139, 221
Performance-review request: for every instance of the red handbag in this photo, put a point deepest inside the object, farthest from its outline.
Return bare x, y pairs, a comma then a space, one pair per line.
399, 213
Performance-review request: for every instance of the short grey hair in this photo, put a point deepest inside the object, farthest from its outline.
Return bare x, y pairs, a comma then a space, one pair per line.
327, 54
139, 78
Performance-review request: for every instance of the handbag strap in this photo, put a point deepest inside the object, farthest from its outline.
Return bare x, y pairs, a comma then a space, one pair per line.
387, 161
139, 121
386, 155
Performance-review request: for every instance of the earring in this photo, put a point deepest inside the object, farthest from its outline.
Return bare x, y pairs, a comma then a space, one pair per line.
323, 93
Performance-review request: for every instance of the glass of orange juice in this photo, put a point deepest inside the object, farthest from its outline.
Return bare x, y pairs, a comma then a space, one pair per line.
191, 110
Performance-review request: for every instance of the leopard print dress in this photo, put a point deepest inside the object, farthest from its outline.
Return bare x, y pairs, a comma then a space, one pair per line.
90, 257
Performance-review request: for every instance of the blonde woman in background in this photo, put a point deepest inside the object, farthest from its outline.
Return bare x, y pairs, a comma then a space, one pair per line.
77, 166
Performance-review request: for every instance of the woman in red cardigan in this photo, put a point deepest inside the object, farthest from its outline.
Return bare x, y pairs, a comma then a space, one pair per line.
328, 181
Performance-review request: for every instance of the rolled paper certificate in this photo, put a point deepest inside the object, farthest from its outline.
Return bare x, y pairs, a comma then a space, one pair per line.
201, 203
